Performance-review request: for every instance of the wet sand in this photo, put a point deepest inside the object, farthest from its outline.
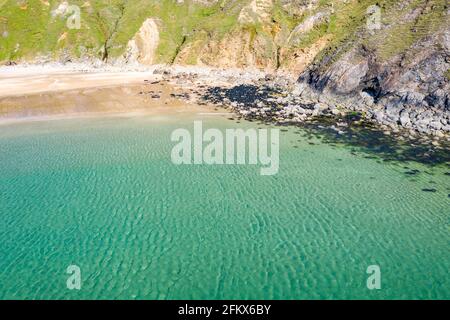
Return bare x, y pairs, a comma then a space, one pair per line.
28, 96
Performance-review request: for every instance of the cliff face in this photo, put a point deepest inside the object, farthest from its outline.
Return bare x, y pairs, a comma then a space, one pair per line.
392, 53
398, 72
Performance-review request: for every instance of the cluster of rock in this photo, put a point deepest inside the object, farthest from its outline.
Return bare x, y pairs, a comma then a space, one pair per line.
281, 99
408, 112
425, 119
268, 102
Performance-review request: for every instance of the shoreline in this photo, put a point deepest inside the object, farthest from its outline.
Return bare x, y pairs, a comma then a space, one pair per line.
250, 94
85, 74
90, 95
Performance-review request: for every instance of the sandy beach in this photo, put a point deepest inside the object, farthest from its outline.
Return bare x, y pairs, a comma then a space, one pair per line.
47, 93
21, 81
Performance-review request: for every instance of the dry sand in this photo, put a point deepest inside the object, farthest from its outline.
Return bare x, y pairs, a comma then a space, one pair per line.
22, 83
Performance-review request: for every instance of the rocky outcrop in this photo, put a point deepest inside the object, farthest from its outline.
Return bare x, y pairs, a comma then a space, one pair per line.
303, 28
295, 61
142, 48
410, 90
240, 49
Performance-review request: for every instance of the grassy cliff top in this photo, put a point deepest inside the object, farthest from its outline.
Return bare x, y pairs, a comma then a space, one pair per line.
31, 28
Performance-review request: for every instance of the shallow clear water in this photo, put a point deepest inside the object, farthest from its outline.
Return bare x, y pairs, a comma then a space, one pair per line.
104, 195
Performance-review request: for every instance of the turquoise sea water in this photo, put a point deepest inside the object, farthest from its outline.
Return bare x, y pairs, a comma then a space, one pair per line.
103, 194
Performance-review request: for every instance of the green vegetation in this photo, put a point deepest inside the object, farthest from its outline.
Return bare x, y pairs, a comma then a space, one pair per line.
30, 28
447, 74
429, 17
